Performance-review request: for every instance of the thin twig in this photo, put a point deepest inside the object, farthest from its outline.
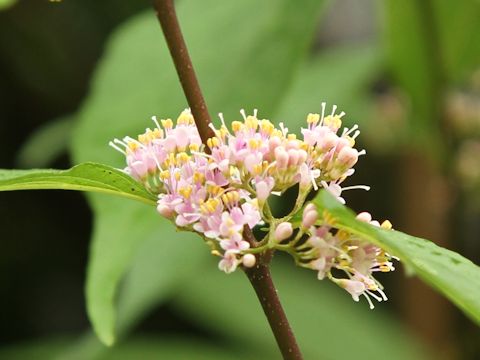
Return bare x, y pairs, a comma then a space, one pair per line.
259, 275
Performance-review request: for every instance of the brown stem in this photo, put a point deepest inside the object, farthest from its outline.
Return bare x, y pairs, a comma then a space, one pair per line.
259, 275
178, 50
262, 283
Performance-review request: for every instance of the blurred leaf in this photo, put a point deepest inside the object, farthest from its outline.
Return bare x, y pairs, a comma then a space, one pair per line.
155, 348
5, 4
337, 76
136, 79
46, 144
322, 316
461, 48
45, 349
83, 177
143, 348
453, 275
414, 55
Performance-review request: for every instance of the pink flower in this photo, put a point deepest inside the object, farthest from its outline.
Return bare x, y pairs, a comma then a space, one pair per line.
229, 262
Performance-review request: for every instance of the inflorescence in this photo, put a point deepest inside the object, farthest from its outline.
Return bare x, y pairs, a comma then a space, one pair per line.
219, 189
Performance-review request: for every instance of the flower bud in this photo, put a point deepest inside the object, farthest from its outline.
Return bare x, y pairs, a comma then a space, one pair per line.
281, 156
283, 231
249, 260
347, 156
165, 211
293, 157
263, 191
309, 218
364, 216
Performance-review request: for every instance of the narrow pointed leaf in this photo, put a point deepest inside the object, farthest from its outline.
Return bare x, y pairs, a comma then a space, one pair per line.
450, 273
84, 177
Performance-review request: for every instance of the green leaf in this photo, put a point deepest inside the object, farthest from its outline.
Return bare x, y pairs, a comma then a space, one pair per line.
451, 274
414, 56
83, 177
323, 316
136, 79
6, 4
461, 48
46, 144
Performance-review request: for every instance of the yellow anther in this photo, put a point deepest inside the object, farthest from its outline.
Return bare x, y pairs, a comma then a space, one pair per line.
177, 176
185, 191
213, 142
209, 206
194, 147
257, 169
236, 126
132, 145
157, 133
266, 126
215, 253
386, 225
333, 121
251, 122
185, 118
277, 133
142, 138
198, 177
254, 144
292, 136
384, 268
182, 158
167, 123
165, 174
313, 118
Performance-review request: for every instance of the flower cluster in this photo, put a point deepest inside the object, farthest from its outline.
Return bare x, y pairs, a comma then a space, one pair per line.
327, 248
221, 188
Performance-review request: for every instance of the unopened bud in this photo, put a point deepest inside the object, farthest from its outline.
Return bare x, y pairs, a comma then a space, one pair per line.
249, 260
347, 156
165, 211
309, 218
364, 216
281, 156
283, 231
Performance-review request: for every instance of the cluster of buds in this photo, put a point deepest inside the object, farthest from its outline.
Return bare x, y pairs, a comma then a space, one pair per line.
221, 188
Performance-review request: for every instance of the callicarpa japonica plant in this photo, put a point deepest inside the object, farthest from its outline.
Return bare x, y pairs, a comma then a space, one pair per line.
220, 181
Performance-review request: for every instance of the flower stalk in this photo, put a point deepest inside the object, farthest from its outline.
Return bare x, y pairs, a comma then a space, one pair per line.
259, 275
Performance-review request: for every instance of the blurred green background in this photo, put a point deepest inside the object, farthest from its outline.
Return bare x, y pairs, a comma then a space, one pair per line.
75, 74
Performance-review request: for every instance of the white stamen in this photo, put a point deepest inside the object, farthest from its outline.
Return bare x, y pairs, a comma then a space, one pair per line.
242, 112
111, 143
362, 152
375, 296
220, 115
129, 139
154, 119
349, 131
383, 294
324, 104
255, 112
369, 301
119, 142
334, 108
363, 187
283, 128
